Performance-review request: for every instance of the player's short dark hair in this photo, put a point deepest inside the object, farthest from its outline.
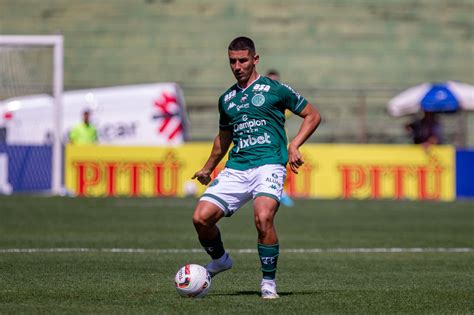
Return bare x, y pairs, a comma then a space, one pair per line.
242, 43
273, 72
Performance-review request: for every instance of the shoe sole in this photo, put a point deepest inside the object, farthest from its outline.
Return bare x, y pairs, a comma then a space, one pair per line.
218, 272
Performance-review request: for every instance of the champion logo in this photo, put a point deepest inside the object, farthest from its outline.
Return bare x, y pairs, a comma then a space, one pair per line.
249, 124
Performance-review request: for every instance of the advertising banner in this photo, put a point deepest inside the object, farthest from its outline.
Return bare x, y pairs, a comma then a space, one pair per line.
330, 171
375, 172
145, 114
465, 173
133, 171
25, 168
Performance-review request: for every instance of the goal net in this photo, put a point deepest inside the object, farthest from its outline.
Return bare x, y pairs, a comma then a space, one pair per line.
32, 65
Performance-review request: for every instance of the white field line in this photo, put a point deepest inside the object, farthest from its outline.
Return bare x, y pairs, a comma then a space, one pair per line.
239, 251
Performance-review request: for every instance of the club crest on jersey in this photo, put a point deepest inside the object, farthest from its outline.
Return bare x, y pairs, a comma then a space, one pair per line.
258, 100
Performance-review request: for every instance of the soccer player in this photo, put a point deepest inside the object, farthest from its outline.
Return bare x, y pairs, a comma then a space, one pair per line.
252, 117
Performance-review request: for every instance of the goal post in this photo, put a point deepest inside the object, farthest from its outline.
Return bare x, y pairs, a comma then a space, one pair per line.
57, 44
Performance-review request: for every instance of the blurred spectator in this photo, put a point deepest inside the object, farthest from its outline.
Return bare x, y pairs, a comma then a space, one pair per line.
427, 130
84, 132
273, 74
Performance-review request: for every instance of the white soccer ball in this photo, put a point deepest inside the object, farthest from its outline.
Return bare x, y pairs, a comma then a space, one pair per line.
190, 188
192, 281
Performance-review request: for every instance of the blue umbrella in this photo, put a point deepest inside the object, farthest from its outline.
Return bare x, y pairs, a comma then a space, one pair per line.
433, 97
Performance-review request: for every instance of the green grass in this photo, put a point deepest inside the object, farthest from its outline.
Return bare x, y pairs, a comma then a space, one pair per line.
325, 282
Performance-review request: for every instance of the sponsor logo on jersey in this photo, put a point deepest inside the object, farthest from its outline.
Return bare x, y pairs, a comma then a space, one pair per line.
275, 175
261, 88
251, 141
231, 105
224, 173
273, 180
242, 106
248, 124
258, 100
230, 95
291, 89
244, 98
238, 107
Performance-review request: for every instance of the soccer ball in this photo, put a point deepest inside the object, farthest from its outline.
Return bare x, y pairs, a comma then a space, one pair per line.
192, 281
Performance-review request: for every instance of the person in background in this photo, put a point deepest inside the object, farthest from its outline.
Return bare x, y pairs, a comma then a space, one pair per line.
426, 131
273, 74
285, 198
251, 116
84, 132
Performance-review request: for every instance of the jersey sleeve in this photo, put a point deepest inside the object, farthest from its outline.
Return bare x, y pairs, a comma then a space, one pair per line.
293, 101
224, 120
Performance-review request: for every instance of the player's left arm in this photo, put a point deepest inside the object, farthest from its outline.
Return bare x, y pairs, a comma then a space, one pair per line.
311, 121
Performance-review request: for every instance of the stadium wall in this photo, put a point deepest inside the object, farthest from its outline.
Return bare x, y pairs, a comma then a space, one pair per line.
324, 43
330, 171
349, 56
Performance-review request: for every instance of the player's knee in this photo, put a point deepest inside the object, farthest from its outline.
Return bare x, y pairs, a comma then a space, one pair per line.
203, 218
264, 220
199, 220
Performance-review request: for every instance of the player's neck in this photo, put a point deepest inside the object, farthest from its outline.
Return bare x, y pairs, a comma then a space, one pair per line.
254, 77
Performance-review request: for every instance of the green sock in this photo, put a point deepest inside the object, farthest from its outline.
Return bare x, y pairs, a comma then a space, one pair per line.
268, 258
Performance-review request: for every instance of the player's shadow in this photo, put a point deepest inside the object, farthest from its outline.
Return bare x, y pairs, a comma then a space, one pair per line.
257, 293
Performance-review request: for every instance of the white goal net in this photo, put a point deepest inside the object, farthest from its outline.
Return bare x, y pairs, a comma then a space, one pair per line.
32, 65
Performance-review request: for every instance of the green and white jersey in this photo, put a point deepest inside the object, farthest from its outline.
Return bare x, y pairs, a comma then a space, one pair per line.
256, 116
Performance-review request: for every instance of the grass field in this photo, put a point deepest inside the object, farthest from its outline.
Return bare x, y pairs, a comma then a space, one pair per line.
108, 256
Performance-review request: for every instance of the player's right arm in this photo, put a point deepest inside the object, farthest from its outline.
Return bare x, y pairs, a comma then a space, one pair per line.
219, 149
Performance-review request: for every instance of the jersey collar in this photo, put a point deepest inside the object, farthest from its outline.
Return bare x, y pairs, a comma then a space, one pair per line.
242, 89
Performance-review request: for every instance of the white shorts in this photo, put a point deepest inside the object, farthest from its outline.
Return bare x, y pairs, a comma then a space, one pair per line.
231, 189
